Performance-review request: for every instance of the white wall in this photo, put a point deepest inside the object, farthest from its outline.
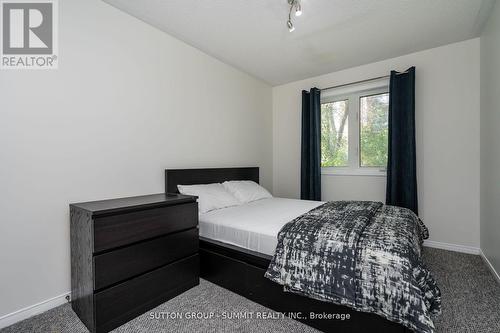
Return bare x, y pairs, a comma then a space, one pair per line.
490, 139
126, 102
447, 117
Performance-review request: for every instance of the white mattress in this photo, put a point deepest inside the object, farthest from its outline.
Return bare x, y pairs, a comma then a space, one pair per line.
254, 225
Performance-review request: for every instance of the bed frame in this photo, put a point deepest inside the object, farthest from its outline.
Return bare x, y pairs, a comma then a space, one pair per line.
242, 271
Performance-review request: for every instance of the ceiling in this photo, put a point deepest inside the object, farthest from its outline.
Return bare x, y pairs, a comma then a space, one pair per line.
331, 35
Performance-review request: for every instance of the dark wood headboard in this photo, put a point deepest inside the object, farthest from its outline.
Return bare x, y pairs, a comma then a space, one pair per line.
174, 177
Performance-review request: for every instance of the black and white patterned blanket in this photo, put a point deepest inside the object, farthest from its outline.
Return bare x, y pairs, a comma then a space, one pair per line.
364, 255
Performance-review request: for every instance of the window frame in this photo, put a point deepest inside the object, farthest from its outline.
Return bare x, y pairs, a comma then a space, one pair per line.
354, 96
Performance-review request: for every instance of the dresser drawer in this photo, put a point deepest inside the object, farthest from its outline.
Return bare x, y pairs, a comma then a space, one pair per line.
125, 301
124, 263
122, 229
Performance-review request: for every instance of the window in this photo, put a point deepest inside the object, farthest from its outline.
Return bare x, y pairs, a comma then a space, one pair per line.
373, 122
334, 133
354, 131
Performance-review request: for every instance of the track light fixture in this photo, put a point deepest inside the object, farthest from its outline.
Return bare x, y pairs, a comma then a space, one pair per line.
294, 5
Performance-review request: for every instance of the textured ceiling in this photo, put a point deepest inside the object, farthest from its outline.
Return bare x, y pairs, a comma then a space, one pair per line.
331, 35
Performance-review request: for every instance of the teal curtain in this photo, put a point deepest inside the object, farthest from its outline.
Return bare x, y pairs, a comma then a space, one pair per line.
402, 160
310, 171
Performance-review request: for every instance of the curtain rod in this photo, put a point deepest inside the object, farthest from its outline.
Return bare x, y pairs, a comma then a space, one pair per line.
362, 81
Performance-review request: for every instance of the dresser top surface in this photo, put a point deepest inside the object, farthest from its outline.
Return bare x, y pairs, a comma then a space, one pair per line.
133, 203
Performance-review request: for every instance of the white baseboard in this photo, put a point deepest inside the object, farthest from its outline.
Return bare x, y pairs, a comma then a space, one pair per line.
490, 266
453, 247
32, 310
464, 249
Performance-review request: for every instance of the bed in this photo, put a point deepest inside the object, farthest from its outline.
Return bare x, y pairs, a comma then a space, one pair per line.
255, 225
237, 245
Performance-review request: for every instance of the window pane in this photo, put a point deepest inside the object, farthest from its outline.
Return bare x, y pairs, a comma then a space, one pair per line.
374, 112
334, 127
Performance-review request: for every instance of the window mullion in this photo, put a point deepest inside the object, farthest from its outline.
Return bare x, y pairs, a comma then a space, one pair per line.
352, 132
355, 132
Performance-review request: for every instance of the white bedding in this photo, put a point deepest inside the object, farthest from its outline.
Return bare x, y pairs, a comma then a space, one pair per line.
253, 225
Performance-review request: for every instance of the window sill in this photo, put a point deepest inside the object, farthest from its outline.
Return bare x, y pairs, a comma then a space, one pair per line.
369, 172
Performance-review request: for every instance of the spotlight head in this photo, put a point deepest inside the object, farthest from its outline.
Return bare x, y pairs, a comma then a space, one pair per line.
290, 26
298, 10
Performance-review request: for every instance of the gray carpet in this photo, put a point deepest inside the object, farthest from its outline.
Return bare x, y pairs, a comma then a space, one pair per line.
471, 303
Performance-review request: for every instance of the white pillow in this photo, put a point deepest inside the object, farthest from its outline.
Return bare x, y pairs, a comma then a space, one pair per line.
246, 190
210, 196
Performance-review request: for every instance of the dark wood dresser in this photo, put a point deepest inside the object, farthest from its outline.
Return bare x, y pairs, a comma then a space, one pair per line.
129, 255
